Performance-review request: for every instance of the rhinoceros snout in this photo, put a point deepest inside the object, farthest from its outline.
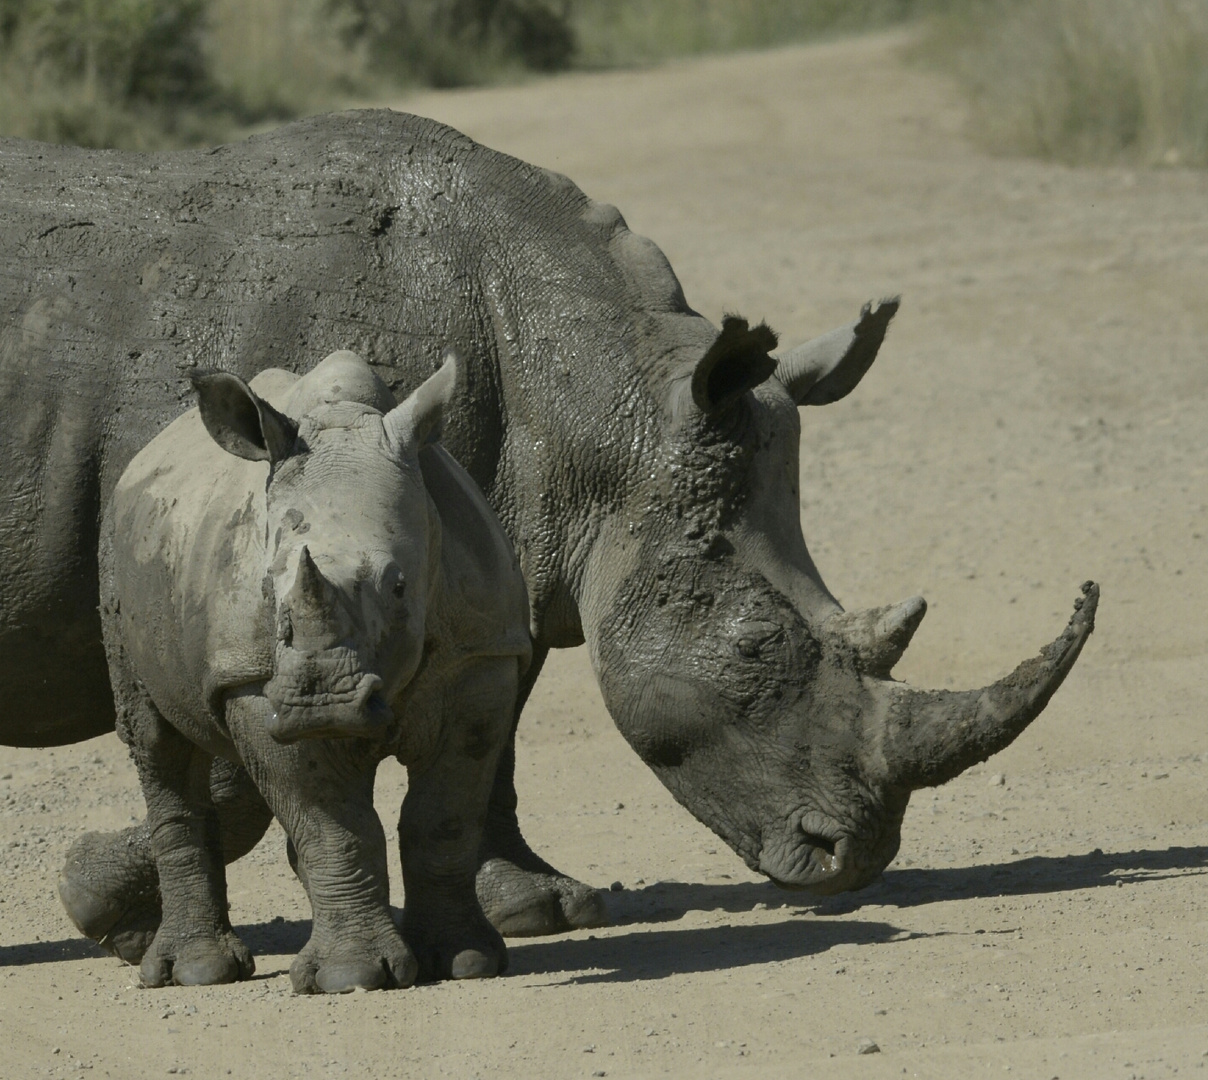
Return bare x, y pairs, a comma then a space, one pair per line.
305, 707
816, 854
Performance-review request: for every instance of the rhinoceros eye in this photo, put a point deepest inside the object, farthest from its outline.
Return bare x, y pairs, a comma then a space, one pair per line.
399, 587
755, 635
747, 648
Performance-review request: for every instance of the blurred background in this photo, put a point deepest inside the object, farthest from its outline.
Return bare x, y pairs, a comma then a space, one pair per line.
1070, 80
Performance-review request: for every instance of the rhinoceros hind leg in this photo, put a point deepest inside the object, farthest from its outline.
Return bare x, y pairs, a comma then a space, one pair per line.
110, 886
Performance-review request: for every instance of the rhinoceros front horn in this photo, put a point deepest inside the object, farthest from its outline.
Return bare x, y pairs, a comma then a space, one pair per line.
310, 600
932, 736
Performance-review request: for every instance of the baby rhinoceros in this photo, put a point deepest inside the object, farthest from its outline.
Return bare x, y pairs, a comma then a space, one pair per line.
298, 578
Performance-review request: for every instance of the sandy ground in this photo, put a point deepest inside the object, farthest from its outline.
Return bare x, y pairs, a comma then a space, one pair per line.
1039, 416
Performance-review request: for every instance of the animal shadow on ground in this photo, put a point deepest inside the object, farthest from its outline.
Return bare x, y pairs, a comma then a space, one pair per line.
666, 901
905, 888
275, 937
657, 954
48, 952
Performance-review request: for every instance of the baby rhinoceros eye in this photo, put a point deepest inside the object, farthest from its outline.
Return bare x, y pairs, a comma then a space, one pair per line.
399, 587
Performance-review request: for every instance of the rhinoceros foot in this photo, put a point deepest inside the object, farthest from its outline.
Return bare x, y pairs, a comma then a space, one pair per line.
382, 962
188, 957
110, 888
528, 898
468, 947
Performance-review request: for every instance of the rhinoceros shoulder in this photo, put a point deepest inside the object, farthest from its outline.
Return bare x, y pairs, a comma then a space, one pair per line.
484, 603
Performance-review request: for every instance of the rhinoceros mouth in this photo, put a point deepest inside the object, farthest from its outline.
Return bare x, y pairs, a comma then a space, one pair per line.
812, 852
325, 695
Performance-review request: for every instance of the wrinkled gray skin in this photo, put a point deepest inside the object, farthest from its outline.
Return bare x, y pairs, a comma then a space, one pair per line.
272, 571
644, 467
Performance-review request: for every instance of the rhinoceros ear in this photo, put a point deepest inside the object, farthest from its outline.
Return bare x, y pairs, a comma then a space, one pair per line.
829, 367
239, 420
419, 420
736, 362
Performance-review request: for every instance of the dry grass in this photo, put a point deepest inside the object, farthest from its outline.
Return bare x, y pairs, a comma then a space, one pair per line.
618, 33
1084, 80
276, 59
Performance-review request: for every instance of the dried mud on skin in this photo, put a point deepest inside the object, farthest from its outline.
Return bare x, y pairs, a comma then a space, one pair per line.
1036, 418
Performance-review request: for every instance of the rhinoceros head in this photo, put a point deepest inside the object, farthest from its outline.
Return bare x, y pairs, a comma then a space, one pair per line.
352, 537
767, 710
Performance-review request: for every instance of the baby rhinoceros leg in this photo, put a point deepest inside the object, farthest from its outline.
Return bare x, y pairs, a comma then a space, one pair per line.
194, 943
321, 790
110, 886
441, 825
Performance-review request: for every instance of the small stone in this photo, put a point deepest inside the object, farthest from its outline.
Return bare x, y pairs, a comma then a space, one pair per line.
620, 806
590, 1049
997, 780
760, 907
599, 1072
57, 1050
867, 1046
616, 886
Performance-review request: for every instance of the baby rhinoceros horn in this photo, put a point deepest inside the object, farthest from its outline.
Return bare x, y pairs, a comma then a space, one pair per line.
319, 688
311, 608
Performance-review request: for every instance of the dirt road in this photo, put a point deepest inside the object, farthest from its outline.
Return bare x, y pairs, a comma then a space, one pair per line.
1039, 415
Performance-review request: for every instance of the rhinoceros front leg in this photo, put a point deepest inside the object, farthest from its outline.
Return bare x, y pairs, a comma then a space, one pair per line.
109, 884
321, 791
441, 824
520, 892
194, 943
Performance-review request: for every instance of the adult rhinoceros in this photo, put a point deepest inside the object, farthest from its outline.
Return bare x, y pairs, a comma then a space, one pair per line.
644, 465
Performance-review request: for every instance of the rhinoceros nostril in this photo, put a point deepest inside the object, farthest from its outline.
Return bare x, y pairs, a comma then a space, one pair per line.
822, 852
821, 842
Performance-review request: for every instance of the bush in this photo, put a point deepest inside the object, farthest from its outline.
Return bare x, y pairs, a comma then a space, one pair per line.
1084, 80
104, 72
459, 42
278, 59
128, 50
622, 32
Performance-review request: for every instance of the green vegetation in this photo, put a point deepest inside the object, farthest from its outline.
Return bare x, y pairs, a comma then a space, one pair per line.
1074, 80
618, 33
1082, 80
150, 73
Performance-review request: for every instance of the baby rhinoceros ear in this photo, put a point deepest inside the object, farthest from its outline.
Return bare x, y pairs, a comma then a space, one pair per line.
418, 420
239, 420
